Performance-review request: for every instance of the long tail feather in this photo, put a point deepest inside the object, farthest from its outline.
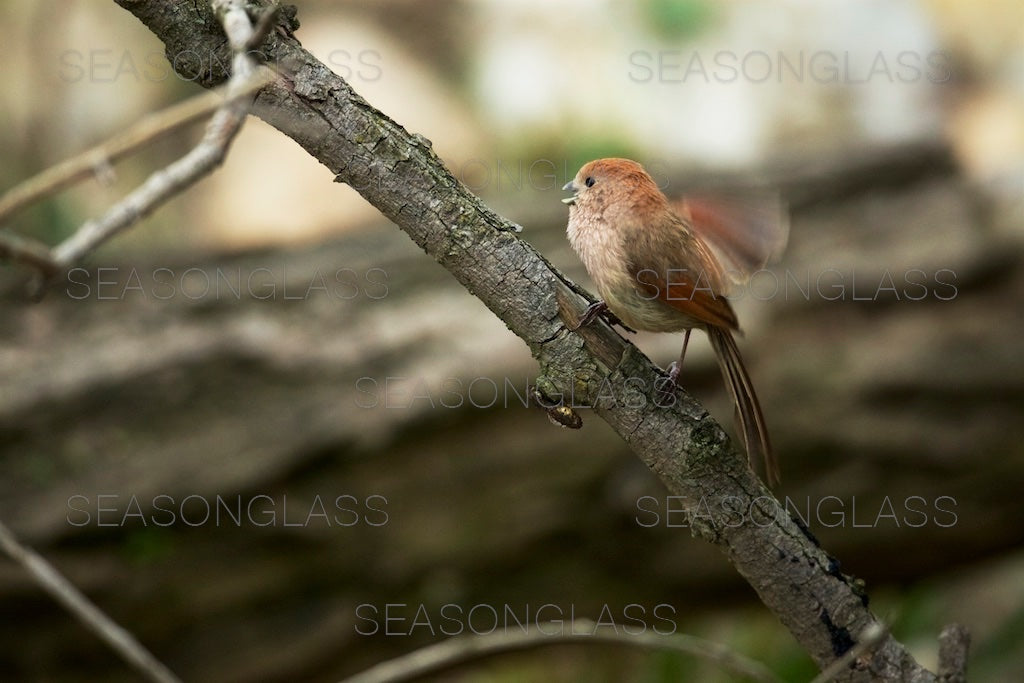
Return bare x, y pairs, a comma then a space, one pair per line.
748, 411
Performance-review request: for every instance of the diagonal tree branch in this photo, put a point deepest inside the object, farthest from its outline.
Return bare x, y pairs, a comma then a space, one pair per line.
65, 593
399, 174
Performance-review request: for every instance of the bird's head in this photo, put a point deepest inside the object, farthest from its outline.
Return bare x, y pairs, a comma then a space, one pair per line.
604, 182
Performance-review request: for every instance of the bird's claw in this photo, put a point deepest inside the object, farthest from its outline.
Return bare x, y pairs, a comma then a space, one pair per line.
665, 387
599, 309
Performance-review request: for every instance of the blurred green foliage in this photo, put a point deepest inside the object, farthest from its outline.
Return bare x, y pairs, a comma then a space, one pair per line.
996, 656
677, 20
148, 545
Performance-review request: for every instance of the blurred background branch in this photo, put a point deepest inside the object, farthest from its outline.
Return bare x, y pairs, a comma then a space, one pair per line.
65, 593
97, 160
453, 653
229, 108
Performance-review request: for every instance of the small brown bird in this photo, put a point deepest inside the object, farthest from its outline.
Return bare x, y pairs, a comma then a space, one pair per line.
664, 269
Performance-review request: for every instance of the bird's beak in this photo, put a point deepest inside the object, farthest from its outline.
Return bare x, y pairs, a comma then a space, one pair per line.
569, 187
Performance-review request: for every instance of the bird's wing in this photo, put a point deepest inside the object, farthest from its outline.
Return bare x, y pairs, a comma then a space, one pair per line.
675, 267
745, 233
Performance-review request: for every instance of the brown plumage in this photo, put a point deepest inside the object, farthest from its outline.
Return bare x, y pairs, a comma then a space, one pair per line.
666, 269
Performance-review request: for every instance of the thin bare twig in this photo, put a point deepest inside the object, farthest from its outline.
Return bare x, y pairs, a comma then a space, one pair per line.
264, 25
64, 592
83, 165
229, 115
29, 251
462, 649
200, 160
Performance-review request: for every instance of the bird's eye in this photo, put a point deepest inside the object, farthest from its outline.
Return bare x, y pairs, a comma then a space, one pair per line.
589, 181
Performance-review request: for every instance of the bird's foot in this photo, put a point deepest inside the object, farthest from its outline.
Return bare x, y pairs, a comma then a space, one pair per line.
599, 309
665, 387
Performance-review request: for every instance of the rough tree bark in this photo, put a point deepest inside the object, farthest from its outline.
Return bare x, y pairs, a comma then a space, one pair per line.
400, 175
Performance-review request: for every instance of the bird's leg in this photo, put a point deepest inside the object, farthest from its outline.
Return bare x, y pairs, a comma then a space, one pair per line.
596, 310
665, 395
676, 367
